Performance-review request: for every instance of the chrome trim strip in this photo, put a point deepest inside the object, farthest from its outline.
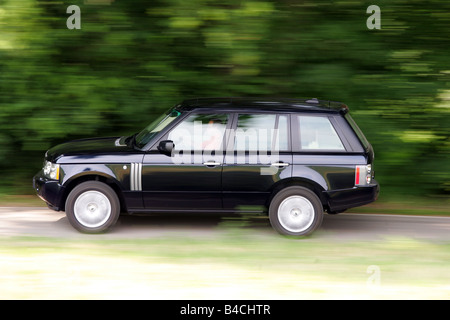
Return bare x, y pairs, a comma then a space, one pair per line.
139, 177
136, 173
132, 177
136, 177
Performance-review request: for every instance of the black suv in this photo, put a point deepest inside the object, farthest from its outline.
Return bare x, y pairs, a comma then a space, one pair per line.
289, 159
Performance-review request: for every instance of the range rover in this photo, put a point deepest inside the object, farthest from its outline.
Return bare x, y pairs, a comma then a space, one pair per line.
289, 159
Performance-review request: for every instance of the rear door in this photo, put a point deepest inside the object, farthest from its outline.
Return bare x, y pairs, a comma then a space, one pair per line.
258, 155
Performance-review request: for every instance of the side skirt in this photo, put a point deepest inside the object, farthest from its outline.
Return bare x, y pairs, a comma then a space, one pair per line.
150, 211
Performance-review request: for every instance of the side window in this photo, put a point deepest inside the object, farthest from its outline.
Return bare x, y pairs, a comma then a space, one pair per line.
317, 133
200, 132
261, 132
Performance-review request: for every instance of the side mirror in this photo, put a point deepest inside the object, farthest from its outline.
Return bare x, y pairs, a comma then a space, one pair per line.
166, 147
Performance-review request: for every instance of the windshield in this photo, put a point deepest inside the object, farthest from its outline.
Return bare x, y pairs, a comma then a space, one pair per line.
143, 137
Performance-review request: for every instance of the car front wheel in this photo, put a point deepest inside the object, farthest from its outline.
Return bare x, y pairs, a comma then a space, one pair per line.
92, 207
295, 211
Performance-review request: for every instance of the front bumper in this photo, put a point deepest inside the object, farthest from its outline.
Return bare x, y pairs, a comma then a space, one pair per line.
48, 190
354, 197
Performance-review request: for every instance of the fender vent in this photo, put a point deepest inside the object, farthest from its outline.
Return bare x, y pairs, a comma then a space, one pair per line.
136, 177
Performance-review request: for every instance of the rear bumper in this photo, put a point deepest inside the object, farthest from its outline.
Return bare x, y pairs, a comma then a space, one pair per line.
354, 197
48, 190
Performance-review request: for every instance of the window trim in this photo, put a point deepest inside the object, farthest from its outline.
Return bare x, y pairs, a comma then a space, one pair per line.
341, 134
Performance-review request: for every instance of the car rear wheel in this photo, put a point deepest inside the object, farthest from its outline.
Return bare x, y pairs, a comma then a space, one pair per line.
295, 211
92, 207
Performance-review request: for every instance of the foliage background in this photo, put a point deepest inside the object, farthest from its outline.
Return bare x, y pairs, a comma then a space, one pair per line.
132, 59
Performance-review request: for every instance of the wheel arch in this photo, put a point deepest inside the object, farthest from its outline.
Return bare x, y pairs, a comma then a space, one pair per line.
302, 182
92, 176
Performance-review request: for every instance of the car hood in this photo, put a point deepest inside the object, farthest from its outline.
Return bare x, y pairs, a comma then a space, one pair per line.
88, 148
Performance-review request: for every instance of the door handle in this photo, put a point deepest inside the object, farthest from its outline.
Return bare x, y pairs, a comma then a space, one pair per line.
280, 164
211, 163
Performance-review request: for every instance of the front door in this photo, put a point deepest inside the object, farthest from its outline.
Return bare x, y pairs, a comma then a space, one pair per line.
191, 178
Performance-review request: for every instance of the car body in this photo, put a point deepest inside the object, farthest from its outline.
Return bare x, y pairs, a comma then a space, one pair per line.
290, 159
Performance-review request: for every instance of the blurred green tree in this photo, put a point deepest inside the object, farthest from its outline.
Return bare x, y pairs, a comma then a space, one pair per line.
132, 60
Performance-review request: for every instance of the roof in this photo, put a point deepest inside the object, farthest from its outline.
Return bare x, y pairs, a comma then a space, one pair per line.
277, 104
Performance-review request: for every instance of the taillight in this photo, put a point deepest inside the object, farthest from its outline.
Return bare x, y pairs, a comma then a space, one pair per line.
363, 175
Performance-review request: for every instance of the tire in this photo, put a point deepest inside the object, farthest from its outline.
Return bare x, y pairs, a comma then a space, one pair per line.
92, 207
295, 211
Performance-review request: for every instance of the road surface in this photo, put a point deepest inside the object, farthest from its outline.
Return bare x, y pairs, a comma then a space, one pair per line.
24, 221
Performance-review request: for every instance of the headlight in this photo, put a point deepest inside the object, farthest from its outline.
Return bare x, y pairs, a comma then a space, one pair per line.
51, 170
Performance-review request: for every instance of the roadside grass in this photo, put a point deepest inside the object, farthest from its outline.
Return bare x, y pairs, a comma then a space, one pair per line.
12, 200
407, 205
231, 265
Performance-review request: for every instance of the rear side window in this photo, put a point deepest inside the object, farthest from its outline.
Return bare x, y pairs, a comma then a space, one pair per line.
317, 133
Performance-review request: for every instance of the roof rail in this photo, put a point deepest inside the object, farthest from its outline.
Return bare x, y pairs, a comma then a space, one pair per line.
329, 104
313, 100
